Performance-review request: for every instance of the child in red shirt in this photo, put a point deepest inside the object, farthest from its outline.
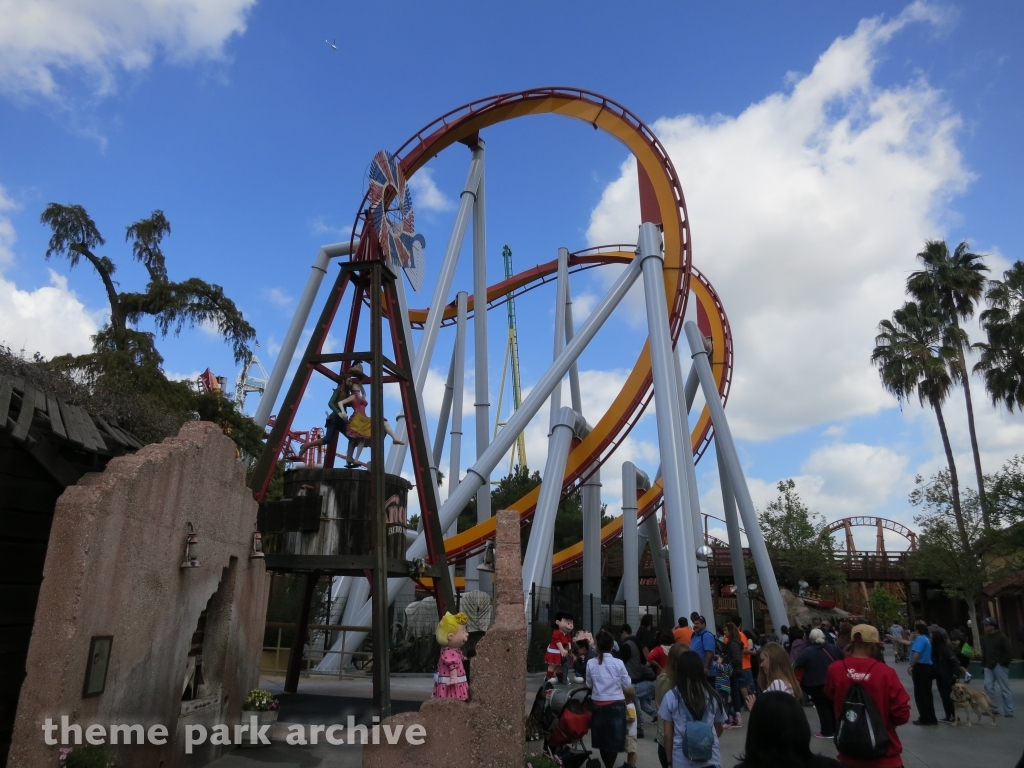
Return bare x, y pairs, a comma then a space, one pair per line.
881, 683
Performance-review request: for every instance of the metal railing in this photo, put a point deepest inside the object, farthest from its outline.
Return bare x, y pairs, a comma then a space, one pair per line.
312, 656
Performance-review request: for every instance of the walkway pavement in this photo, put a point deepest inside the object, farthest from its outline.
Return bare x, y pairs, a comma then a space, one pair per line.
325, 700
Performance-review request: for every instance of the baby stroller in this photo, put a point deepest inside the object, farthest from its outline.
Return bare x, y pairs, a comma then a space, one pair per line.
562, 716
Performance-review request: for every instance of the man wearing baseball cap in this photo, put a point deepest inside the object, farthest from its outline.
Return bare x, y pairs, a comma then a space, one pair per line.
995, 658
882, 685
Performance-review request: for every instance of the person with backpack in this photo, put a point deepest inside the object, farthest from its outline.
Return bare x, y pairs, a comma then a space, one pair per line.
608, 682
778, 735
814, 663
693, 716
703, 643
641, 675
870, 703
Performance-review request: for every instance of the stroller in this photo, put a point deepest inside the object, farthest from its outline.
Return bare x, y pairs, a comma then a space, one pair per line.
562, 715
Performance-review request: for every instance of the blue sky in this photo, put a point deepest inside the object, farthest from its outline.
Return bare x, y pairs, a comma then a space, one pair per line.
818, 146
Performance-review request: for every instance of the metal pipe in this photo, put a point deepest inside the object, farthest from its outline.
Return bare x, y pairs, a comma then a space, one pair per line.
396, 456
591, 502
446, 410
727, 448
574, 371
291, 338
561, 287
620, 591
670, 433
707, 601
650, 526
732, 524
630, 542
455, 453
541, 391
690, 388
480, 360
542, 533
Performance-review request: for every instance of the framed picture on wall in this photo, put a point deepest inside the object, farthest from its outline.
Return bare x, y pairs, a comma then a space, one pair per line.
96, 668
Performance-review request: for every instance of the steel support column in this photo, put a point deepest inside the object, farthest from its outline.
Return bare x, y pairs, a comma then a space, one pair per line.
480, 360
732, 524
631, 481
726, 447
653, 532
591, 502
670, 432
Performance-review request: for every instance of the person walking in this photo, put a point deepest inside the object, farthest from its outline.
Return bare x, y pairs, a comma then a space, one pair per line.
922, 673
995, 658
608, 682
797, 643
641, 675
947, 669
815, 661
734, 648
778, 735
881, 683
692, 714
665, 682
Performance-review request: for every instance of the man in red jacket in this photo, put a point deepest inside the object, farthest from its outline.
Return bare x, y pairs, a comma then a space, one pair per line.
881, 683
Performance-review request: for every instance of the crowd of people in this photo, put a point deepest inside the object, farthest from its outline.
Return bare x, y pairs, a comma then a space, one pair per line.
693, 683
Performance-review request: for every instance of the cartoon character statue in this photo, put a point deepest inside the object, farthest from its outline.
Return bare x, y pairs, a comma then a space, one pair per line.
558, 648
450, 681
358, 427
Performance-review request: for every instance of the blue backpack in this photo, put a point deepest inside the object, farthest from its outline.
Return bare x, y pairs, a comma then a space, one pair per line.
698, 737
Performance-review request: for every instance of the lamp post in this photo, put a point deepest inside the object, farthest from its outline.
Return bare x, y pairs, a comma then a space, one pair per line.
752, 588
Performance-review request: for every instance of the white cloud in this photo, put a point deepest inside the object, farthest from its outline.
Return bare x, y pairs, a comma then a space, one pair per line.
426, 195
277, 297
40, 40
582, 306
49, 320
807, 210
7, 234
319, 226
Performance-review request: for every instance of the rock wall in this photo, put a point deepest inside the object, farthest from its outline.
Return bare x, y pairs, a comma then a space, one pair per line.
113, 567
487, 731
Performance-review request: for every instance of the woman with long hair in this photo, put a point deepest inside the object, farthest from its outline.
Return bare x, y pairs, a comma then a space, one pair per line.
778, 735
665, 682
775, 673
692, 712
608, 682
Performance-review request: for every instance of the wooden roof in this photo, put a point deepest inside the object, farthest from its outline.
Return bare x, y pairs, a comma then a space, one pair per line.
66, 439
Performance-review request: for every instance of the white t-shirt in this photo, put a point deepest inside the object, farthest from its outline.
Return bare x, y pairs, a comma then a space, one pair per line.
779, 685
607, 679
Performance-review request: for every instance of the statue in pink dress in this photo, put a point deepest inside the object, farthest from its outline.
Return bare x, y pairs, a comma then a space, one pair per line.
450, 681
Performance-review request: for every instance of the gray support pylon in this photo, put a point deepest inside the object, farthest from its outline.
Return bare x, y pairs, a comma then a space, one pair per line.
632, 480
291, 338
428, 339
653, 533
506, 437
455, 455
542, 533
732, 524
574, 371
561, 291
620, 591
446, 412
591, 502
681, 549
480, 360
726, 447
478, 474
707, 601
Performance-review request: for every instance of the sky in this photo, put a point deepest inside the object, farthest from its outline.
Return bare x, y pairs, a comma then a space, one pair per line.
818, 147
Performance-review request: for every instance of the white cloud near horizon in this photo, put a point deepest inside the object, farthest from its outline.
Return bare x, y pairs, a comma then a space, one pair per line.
426, 195
807, 210
43, 40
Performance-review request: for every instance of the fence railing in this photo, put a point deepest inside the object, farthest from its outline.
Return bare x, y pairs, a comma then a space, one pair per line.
312, 655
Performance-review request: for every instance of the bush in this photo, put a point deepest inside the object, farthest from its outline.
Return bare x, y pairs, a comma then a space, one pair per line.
89, 757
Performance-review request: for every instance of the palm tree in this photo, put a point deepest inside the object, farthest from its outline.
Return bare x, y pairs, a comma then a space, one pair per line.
954, 284
913, 354
171, 305
1002, 358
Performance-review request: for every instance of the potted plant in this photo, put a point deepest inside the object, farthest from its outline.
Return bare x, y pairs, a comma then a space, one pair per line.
263, 705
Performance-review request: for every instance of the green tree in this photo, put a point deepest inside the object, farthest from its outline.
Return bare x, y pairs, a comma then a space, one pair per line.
913, 355
125, 362
955, 548
952, 284
1002, 356
885, 608
797, 543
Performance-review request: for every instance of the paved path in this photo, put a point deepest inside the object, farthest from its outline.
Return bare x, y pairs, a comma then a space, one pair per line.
325, 700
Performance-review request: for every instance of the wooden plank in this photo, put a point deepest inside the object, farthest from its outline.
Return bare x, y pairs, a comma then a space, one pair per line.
25, 416
111, 433
83, 428
130, 439
40, 401
97, 436
355, 565
69, 423
28, 494
53, 411
6, 390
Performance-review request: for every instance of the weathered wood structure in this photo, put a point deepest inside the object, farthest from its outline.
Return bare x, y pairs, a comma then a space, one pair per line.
46, 445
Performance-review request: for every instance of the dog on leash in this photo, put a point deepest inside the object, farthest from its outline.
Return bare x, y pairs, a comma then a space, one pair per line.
967, 699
